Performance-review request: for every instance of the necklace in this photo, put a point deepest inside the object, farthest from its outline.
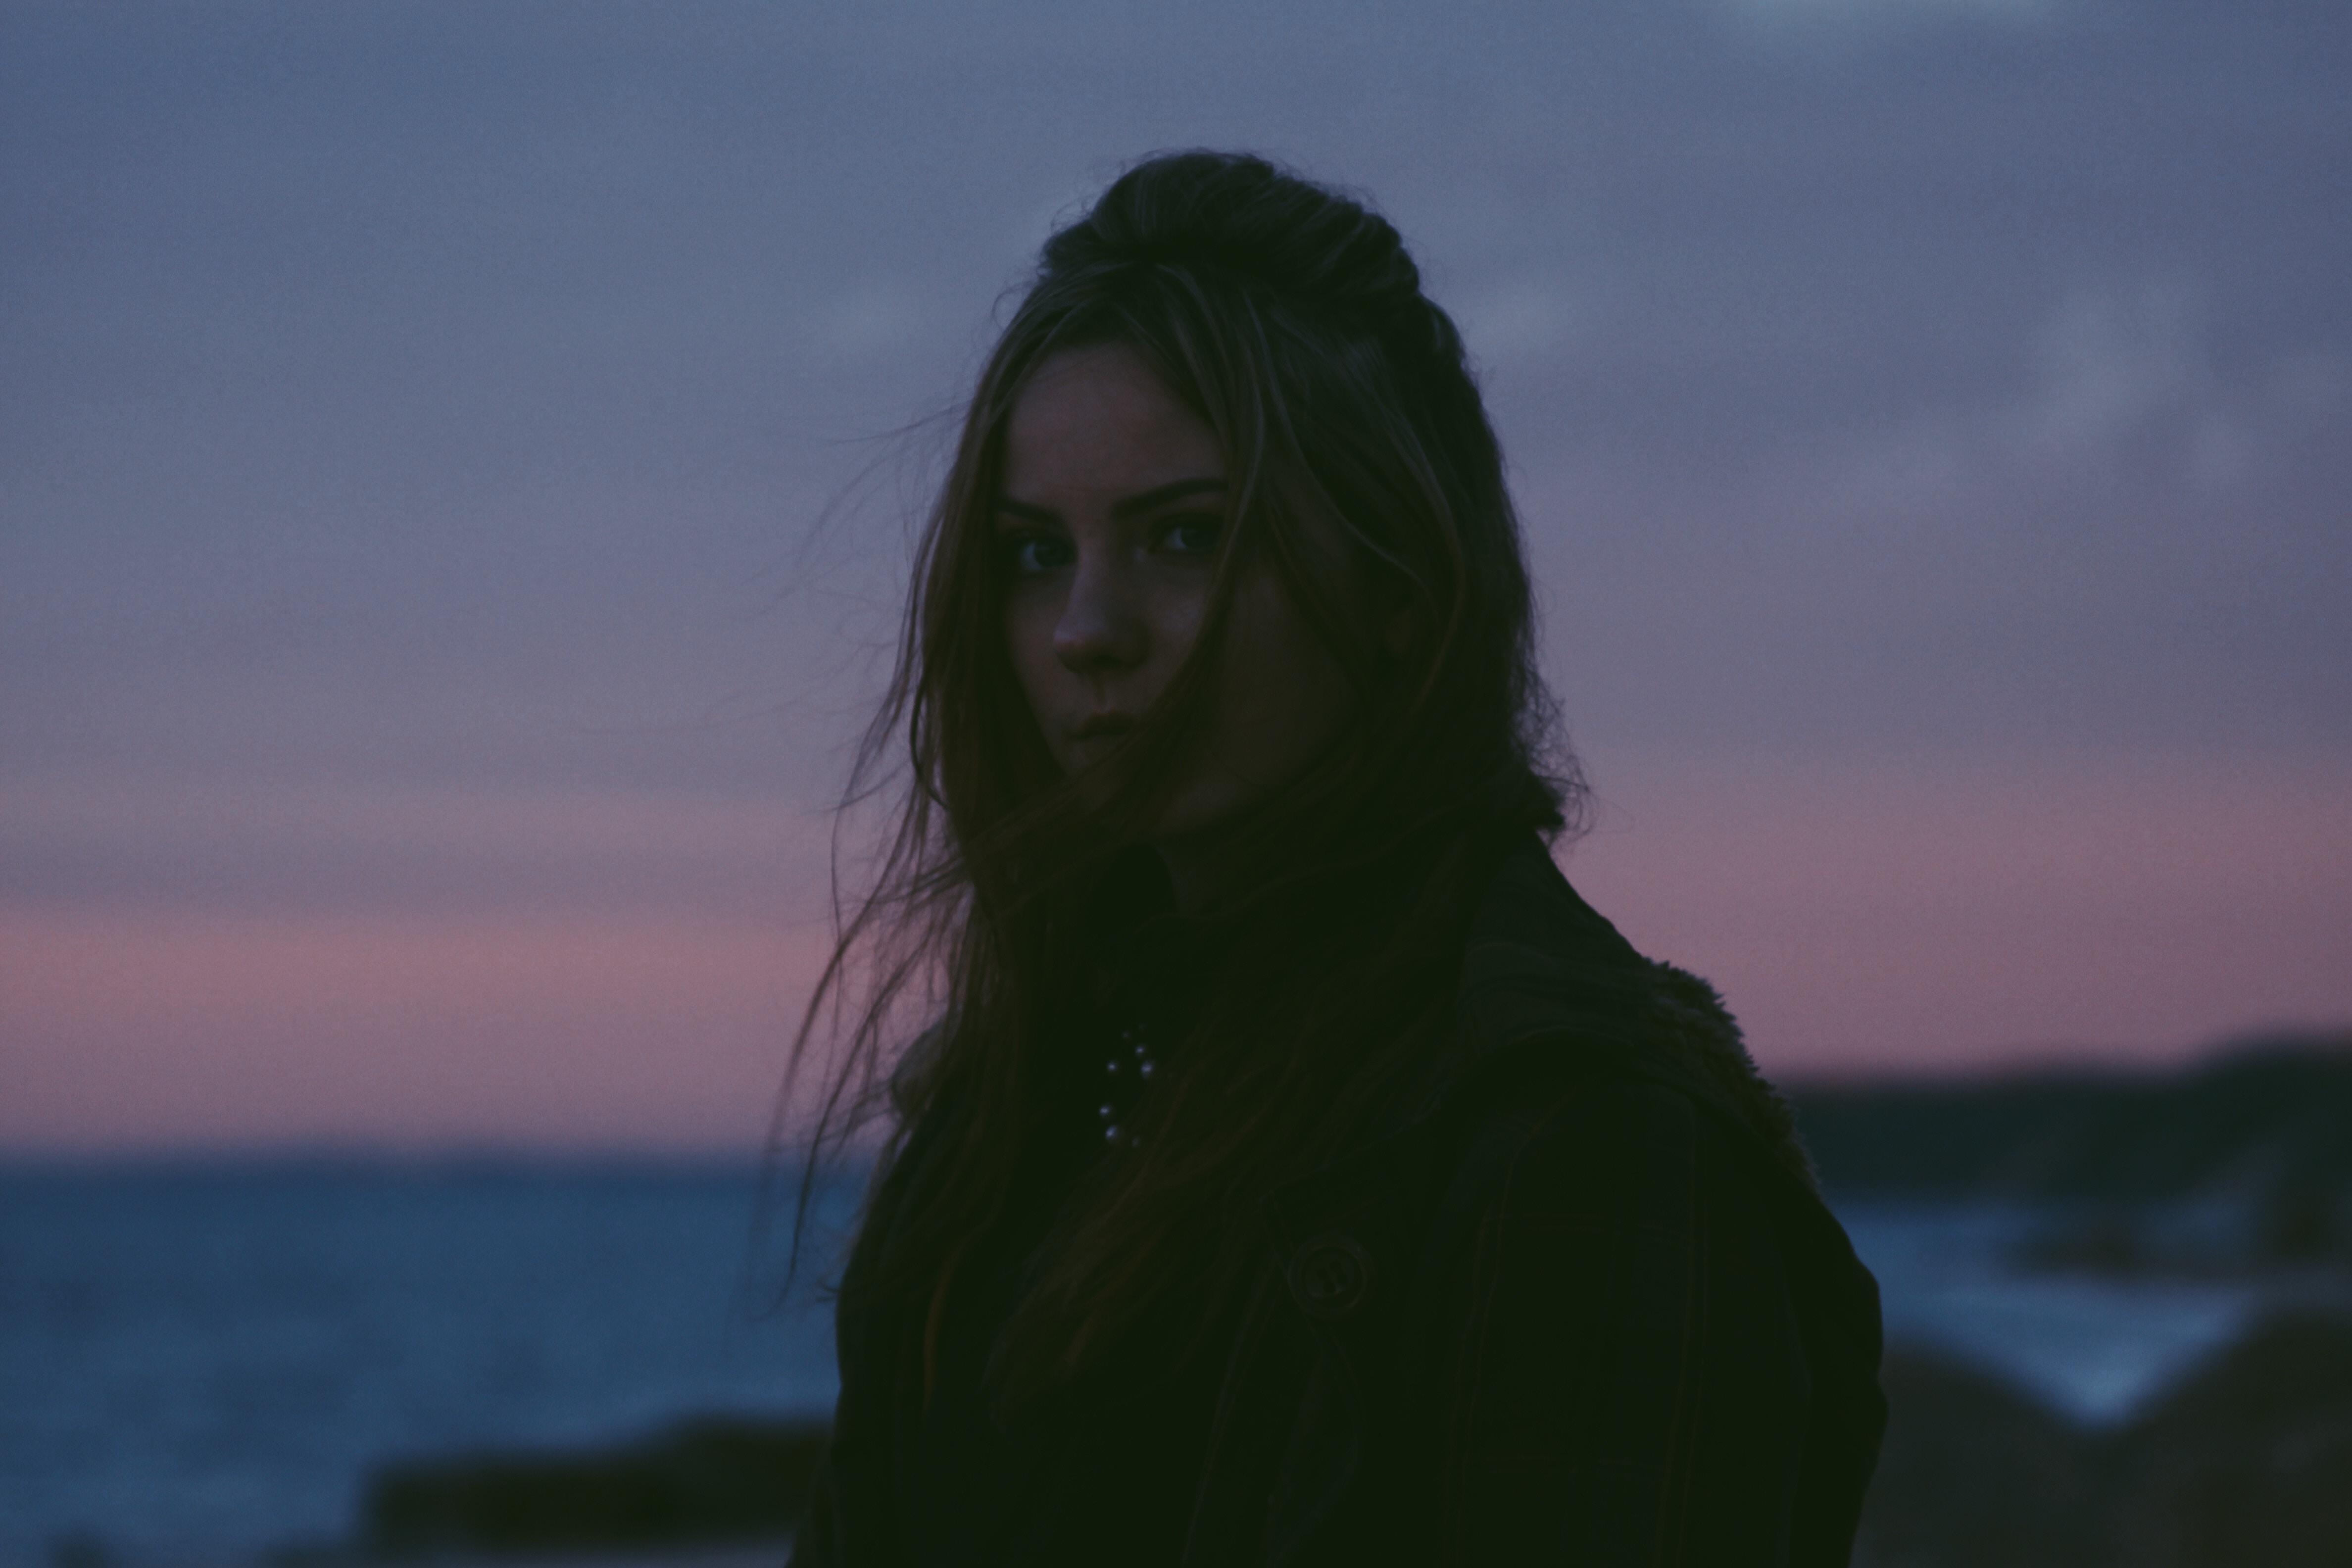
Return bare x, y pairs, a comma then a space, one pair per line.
1127, 1072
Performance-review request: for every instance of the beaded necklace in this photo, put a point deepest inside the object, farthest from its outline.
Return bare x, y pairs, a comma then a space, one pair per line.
1127, 1073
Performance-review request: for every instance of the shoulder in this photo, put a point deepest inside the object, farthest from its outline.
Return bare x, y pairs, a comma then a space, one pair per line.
1583, 1086
1594, 1090
1590, 1269
1604, 1105
1556, 1008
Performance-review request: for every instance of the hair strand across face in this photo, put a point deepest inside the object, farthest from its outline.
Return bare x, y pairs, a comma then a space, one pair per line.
1362, 471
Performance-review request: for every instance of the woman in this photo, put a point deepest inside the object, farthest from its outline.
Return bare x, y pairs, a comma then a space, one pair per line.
1296, 1170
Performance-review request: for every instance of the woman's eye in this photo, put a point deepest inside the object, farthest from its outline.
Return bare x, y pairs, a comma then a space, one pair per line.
1191, 536
1034, 554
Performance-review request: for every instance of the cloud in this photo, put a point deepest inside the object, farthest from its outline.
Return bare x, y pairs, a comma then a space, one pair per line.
1855, 16
2125, 381
1521, 319
874, 315
2112, 361
283, 847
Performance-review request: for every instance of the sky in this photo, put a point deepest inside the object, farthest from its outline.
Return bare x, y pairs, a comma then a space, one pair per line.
458, 461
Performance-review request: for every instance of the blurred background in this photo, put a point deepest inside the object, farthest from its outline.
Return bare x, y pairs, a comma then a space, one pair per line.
457, 465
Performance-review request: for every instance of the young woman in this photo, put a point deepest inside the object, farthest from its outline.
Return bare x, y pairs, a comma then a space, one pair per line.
1295, 1169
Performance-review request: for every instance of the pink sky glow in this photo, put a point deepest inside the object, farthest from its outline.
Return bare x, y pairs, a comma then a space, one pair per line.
1874, 922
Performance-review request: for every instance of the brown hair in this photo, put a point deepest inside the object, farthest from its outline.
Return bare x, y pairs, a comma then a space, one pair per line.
1290, 319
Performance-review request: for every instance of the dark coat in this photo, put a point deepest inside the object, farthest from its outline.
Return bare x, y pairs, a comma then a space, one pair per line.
1578, 1301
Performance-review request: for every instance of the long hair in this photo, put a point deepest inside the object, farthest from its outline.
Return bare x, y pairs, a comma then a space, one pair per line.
1290, 319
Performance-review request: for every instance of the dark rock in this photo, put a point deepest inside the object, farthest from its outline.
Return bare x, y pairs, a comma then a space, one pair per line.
2105, 1240
80, 1549
2271, 1114
705, 1483
2303, 1220
1974, 1471
2276, 1224
2249, 1461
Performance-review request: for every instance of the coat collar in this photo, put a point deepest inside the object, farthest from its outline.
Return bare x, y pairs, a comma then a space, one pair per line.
1550, 991
1545, 976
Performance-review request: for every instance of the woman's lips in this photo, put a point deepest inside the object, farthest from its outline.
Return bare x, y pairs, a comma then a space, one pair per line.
1102, 726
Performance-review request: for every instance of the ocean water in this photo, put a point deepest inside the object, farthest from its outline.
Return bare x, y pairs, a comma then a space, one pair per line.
2094, 1347
200, 1364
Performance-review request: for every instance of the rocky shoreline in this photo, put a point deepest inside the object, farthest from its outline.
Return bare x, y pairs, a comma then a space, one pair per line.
704, 1484
2240, 1168
2249, 1459
2240, 1164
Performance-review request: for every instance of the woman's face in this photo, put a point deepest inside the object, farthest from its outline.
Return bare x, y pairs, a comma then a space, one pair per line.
1112, 505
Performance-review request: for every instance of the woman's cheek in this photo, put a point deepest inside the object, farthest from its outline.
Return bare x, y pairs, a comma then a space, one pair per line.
1029, 646
1287, 694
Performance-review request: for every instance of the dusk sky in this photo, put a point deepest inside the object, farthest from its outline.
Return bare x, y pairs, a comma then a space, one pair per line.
457, 463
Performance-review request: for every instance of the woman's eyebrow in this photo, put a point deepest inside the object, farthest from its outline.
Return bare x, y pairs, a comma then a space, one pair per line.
1027, 513
1131, 506
1160, 495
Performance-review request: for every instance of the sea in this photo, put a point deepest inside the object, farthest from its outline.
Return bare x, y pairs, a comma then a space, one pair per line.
201, 1362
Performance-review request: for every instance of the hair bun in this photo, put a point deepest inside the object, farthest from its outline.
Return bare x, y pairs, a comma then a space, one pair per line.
1238, 213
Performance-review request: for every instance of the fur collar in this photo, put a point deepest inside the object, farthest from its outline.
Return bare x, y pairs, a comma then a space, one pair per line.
1544, 974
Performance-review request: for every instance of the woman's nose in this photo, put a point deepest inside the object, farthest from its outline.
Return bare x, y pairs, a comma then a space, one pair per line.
1102, 626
